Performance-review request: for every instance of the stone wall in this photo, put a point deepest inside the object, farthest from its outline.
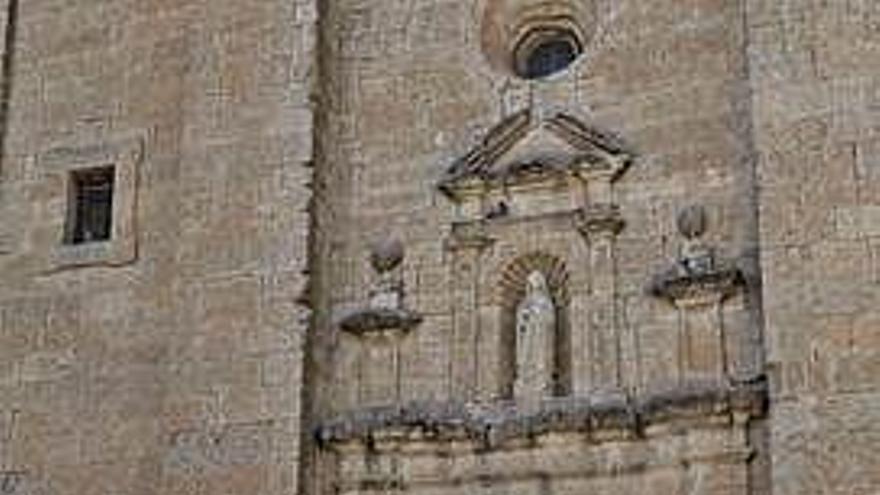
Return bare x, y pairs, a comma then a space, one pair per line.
170, 359
815, 86
409, 88
264, 149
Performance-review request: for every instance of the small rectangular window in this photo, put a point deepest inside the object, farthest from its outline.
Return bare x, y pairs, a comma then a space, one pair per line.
90, 207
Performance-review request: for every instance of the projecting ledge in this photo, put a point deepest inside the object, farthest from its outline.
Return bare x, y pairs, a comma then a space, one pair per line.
616, 416
372, 320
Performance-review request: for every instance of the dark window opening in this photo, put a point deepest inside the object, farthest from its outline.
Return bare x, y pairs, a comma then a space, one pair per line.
546, 52
90, 209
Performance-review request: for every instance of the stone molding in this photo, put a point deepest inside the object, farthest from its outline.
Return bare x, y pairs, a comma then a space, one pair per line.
612, 415
694, 288
599, 219
365, 321
469, 235
581, 151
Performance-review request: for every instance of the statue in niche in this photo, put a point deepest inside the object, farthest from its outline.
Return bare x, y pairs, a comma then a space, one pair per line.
535, 335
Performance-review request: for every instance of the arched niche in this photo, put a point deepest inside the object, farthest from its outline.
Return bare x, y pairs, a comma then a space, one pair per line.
511, 288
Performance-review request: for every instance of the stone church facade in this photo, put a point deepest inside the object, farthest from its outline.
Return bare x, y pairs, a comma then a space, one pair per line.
437, 247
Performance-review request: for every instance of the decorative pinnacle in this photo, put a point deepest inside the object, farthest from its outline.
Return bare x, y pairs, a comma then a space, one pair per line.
692, 222
386, 254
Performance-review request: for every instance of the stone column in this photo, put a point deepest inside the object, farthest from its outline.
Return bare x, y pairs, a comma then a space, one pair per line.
466, 247
600, 224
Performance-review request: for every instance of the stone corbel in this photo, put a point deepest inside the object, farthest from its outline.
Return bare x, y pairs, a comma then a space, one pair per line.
687, 288
368, 321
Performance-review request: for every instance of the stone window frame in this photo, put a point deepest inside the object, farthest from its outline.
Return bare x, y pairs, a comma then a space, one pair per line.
59, 165
540, 36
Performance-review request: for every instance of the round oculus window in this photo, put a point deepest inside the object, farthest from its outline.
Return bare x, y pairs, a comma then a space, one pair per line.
544, 52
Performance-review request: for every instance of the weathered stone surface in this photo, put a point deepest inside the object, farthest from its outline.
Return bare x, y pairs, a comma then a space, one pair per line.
111, 354
240, 333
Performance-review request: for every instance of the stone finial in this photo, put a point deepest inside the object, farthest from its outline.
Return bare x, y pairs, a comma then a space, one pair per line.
698, 276
386, 255
385, 308
692, 222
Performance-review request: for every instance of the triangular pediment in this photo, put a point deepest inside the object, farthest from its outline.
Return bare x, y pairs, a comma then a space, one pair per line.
541, 146
522, 147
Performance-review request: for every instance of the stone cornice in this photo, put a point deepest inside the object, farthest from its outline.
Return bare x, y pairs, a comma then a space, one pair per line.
602, 416
579, 150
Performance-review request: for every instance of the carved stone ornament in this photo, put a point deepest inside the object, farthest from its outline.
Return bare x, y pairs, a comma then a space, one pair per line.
698, 276
600, 218
692, 222
679, 284
368, 320
385, 309
386, 255
524, 149
609, 416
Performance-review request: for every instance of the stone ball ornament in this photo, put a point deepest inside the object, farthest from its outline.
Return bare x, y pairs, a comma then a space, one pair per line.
692, 222
386, 254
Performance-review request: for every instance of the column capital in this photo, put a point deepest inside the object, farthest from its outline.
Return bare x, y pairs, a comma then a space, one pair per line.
599, 220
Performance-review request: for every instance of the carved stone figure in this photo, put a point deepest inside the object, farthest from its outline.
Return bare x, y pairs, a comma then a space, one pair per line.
535, 334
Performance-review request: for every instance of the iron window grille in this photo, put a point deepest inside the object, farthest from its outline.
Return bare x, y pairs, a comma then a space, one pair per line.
90, 208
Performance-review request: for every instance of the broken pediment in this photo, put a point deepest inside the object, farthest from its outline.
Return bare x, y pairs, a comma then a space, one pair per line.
526, 149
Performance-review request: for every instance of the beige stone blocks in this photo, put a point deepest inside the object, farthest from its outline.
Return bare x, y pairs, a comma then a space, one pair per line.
261, 147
